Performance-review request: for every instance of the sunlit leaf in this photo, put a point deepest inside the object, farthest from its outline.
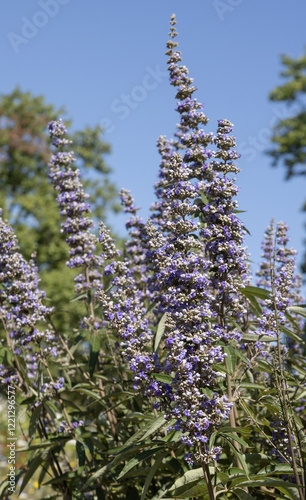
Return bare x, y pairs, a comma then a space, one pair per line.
255, 291
160, 331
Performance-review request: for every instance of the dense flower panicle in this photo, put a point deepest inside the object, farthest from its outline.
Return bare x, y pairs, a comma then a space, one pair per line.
264, 273
221, 230
208, 169
180, 285
135, 246
277, 268
74, 208
277, 274
124, 310
22, 312
196, 262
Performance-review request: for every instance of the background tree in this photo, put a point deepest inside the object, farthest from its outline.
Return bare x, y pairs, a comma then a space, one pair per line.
26, 195
289, 134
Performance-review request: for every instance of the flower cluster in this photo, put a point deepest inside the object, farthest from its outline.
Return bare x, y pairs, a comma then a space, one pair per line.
277, 274
125, 311
135, 247
74, 208
194, 266
22, 311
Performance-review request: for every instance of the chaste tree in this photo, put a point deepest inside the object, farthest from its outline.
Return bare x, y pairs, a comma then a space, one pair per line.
182, 379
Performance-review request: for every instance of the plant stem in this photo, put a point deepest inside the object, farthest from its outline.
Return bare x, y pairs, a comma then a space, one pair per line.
207, 478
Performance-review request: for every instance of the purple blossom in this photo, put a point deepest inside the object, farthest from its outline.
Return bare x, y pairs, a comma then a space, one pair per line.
21, 308
189, 262
277, 275
77, 226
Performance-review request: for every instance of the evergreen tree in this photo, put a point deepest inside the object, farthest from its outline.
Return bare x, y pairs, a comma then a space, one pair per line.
289, 134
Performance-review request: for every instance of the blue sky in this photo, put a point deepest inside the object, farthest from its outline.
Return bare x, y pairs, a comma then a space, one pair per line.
104, 61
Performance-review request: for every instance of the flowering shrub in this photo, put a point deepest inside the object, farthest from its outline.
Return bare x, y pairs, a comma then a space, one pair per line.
183, 380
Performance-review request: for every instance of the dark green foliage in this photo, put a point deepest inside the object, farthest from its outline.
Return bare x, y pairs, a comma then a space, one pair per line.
289, 134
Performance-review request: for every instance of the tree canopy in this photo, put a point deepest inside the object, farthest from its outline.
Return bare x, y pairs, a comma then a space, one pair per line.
289, 134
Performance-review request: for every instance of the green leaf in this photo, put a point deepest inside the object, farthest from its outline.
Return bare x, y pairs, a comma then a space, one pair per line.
3, 487
146, 431
184, 483
267, 482
301, 395
89, 393
224, 478
153, 469
33, 422
157, 424
160, 331
277, 469
31, 470
230, 435
46, 444
67, 403
249, 412
66, 476
80, 449
166, 379
249, 385
212, 439
144, 455
122, 455
291, 492
242, 356
242, 495
204, 198
250, 337
198, 490
257, 458
256, 306
230, 358
264, 366
298, 310
79, 297
239, 456
239, 430
293, 335
255, 291
94, 352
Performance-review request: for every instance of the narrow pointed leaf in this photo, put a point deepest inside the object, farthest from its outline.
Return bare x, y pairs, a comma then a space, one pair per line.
234, 437
255, 291
242, 495
31, 470
160, 332
298, 310
34, 422
239, 456
151, 474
